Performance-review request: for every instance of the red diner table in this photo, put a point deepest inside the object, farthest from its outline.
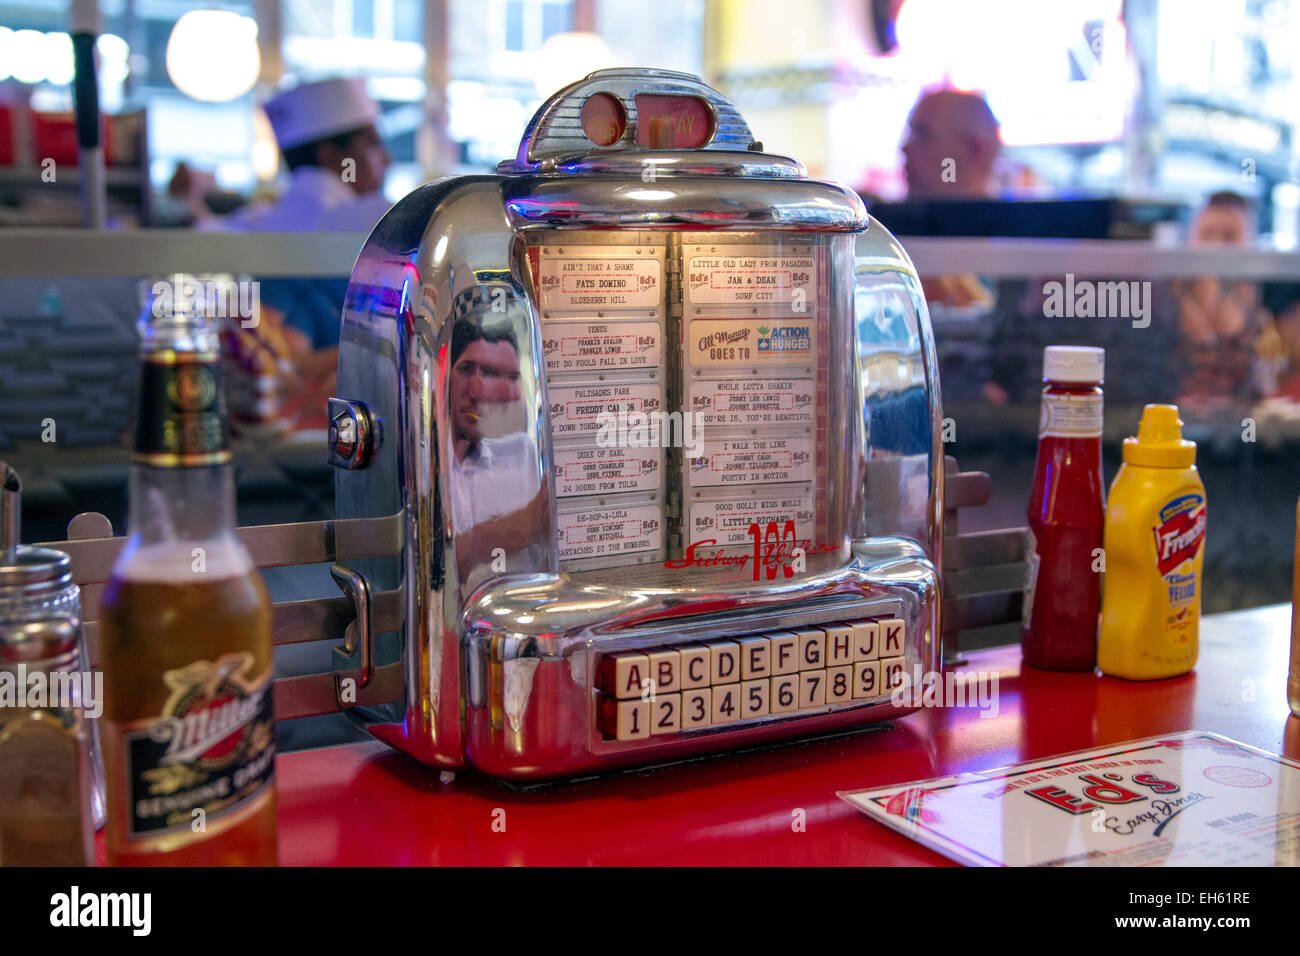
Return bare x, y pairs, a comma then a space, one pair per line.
366, 804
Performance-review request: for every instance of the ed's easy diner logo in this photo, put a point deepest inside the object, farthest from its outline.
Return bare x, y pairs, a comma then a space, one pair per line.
1180, 532
1105, 790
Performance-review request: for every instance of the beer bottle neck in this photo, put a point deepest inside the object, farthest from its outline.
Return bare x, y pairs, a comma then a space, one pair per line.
194, 503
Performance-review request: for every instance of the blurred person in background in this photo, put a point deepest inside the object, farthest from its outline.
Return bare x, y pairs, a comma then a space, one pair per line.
1222, 335
953, 140
337, 161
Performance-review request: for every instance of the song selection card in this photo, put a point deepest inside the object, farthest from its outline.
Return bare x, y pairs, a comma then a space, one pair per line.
605, 471
606, 535
581, 410
752, 460
727, 521
602, 346
762, 403
600, 278
745, 274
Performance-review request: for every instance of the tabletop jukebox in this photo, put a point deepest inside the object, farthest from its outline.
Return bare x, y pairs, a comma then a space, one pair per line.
660, 418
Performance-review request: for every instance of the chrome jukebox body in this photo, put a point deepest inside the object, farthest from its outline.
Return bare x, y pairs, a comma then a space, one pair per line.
660, 417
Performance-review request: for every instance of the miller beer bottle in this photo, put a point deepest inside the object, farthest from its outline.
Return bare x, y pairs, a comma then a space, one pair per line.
185, 625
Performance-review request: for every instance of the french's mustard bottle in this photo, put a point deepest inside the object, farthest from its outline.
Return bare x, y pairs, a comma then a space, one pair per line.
1154, 546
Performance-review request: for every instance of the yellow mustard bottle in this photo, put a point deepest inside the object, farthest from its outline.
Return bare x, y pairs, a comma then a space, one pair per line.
1154, 546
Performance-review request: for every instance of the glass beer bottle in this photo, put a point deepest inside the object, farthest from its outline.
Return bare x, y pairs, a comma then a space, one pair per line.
185, 627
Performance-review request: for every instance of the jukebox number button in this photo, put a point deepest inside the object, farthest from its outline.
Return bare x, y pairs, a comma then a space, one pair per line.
697, 708
839, 684
726, 704
891, 673
866, 679
633, 721
666, 714
812, 689
754, 698
785, 694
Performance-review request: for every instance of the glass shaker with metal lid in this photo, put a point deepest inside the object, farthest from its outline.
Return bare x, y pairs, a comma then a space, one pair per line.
51, 779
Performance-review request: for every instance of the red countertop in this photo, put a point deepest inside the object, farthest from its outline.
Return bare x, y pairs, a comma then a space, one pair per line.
365, 804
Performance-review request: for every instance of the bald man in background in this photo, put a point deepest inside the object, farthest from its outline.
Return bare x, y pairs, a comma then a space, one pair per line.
952, 143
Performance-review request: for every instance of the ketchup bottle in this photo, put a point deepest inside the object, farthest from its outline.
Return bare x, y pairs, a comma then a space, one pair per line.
1067, 514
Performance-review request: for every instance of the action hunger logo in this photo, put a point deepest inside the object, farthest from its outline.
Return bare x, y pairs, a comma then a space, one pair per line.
1180, 533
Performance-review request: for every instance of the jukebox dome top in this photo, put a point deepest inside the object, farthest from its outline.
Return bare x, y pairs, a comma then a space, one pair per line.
625, 110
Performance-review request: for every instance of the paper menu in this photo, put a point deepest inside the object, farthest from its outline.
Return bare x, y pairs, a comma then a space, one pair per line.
1189, 799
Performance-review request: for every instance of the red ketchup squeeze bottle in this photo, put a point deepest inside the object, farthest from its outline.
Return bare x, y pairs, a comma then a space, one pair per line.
1067, 516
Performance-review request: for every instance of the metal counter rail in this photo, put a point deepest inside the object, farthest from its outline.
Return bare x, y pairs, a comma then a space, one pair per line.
160, 252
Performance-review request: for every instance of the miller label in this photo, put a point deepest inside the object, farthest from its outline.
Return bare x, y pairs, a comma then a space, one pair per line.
212, 747
181, 421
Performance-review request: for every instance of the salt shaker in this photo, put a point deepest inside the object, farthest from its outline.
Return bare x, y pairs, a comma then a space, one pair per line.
51, 783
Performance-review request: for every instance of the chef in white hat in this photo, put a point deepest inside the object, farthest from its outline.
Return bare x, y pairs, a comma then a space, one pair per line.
336, 159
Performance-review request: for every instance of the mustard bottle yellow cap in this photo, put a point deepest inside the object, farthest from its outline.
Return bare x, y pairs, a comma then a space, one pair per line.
1159, 442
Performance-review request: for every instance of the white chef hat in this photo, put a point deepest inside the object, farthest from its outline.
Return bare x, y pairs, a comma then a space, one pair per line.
315, 111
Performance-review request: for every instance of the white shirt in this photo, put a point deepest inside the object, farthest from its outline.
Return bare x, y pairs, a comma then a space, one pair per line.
498, 477
316, 200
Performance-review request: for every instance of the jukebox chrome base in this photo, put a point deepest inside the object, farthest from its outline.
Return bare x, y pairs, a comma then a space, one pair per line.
559, 702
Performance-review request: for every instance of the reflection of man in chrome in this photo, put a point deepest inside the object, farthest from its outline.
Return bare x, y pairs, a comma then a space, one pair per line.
497, 491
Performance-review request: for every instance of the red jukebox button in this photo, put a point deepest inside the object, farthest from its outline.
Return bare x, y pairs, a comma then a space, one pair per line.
603, 119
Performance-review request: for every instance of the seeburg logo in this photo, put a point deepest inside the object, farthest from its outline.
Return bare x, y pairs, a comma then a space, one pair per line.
58, 690
624, 429
74, 908
949, 689
1102, 300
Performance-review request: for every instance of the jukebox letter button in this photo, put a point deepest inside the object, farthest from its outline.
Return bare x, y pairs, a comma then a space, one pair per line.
666, 714
697, 708
755, 658
812, 649
812, 689
726, 664
892, 631
784, 653
891, 673
629, 671
665, 668
633, 720
753, 698
839, 644
784, 698
726, 703
866, 679
839, 684
695, 666
866, 641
